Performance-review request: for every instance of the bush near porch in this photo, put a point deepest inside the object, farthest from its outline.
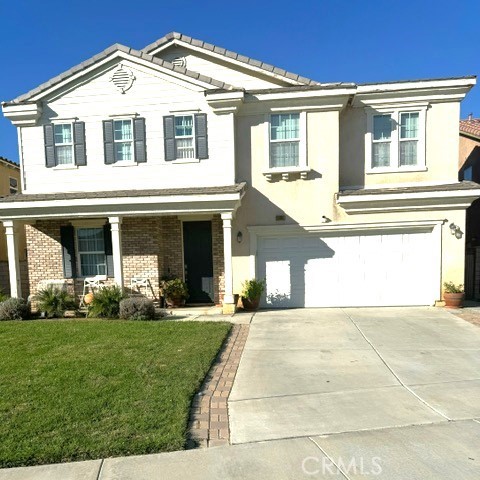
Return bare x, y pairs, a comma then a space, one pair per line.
84, 389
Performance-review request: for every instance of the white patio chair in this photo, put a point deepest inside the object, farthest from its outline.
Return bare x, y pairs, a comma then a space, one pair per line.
139, 283
90, 284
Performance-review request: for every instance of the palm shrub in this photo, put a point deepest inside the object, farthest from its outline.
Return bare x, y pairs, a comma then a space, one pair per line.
106, 302
137, 308
14, 309
54, 301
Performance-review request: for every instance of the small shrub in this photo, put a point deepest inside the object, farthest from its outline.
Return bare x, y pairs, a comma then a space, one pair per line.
106, 302
137, 308
253, 288
450, 287
14, 309
3, 296
54, 301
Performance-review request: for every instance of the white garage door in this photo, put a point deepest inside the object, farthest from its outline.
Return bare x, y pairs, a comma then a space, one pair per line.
348, 270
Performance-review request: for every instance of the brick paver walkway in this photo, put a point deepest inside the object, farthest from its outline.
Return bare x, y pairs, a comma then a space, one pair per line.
209, 414
471, 315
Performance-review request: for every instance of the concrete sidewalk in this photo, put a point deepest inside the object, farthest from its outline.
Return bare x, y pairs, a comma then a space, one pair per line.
444, 451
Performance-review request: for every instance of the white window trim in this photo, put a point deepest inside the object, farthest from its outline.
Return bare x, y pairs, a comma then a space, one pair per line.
302, 166
395, 139
64, 166
80, 226
124, 163
194, 159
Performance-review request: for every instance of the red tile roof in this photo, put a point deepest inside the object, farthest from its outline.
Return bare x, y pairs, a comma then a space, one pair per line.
470, 127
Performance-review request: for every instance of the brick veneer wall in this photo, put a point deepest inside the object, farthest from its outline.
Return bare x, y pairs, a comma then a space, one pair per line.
5, 278
218, 262
152, 247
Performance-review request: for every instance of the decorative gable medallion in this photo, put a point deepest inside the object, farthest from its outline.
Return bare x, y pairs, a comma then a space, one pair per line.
122, 78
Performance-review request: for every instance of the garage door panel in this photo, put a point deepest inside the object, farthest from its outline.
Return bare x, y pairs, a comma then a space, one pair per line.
349, 270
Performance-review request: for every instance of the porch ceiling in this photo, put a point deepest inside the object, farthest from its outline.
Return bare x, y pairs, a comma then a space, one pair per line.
122, 203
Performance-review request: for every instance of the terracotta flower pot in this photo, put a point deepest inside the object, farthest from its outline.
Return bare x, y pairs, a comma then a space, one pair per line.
250, 304
175, 302
453, 300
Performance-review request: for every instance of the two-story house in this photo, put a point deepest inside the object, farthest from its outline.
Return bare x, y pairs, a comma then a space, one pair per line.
191, 160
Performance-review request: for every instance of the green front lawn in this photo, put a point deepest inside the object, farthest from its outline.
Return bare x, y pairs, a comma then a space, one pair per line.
79, 389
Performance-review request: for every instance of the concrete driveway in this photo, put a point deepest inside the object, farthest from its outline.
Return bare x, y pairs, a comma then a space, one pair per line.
391, 383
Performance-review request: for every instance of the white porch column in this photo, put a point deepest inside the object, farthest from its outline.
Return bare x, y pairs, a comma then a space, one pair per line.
13, 262
228, 301
115, 223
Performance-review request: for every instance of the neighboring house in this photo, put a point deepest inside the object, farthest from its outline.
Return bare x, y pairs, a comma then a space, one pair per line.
191, 160
469, 169
10, 185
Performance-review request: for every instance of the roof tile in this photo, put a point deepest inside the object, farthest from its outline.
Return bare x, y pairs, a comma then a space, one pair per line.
470, 127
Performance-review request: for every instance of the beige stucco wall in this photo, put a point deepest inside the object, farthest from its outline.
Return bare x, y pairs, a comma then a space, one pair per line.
300, 201
441, 149
336, 153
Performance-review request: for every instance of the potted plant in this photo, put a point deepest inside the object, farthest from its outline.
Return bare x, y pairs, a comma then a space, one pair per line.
251, 292
175, 292
453, 295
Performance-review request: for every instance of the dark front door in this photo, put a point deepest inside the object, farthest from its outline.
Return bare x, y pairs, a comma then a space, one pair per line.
198, 258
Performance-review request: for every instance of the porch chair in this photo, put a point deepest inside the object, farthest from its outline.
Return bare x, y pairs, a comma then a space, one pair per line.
90, 284
136, 285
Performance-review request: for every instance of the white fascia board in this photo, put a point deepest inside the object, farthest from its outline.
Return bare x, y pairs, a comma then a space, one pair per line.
466, 83
225, 102
459, 200
123, 206
345, 199
124, 56
224, 59
345, 92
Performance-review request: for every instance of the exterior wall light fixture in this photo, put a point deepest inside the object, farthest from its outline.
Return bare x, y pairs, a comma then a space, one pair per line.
239, 237
455, 230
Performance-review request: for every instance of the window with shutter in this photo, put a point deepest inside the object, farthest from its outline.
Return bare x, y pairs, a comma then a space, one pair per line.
124, 141
65, 144
185, 137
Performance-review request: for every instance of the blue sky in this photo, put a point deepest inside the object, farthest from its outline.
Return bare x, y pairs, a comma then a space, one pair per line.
349, 40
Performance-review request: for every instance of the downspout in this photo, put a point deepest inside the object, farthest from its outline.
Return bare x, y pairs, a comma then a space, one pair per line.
23, 181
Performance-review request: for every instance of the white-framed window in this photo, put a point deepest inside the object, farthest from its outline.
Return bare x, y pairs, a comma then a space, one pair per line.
91, 251
63, 139
123, 140
185, 136
13, 183
395, 139
285, 140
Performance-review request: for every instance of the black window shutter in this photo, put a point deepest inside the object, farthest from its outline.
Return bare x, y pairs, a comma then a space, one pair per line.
49, 145
139, 139
79, 142
169, 135
67, 239
201, 137
107, 236
108, 142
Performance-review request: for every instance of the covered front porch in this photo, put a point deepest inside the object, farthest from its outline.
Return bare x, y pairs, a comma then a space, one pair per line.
152, 234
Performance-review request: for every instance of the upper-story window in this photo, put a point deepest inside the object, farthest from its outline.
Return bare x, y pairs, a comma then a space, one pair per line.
185, 137
64, 144
124, 141
395, 140
13, 183
285, 140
